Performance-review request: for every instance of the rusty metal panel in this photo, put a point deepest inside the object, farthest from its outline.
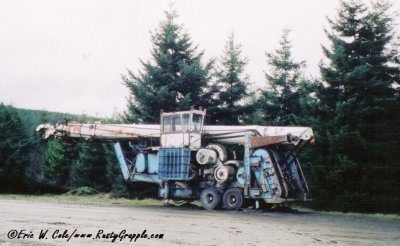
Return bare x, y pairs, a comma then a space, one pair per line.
267, 140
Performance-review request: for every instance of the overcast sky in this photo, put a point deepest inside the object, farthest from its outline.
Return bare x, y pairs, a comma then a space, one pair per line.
68, 56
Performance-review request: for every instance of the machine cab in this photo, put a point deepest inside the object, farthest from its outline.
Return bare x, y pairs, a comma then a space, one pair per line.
182, 129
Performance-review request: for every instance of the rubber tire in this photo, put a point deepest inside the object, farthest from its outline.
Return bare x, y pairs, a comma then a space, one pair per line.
210, 198
233, 199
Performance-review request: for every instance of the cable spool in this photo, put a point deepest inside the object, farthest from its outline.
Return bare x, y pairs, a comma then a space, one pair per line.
222, 155
223, 174
206, 156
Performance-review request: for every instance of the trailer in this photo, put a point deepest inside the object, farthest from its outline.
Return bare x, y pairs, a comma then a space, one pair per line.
224, 166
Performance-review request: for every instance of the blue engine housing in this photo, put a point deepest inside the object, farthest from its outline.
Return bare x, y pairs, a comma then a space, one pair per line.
174, 163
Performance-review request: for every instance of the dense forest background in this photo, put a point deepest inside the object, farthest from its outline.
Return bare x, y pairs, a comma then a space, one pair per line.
353, 108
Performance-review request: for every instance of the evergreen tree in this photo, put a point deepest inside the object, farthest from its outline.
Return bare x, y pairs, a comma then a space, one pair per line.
174, 79
38, 146
279, 104
58, 161
14, 150
231, 85
90, 168
358, 110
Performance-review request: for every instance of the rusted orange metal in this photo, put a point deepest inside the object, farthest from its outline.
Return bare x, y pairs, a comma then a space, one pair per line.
267, 140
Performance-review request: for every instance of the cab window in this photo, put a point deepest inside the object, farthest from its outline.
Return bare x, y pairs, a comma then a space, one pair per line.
197, 122
186, 122
177, 123
167, 124
172, 123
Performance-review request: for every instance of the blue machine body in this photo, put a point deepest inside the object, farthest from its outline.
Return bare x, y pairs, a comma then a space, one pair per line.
147, 162
173, 166
121, 160
174, 163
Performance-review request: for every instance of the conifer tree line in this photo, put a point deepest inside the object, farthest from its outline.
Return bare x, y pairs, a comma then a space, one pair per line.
353, 107
30, 165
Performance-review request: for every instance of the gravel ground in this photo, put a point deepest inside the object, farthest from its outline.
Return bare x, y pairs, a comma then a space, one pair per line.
183, 226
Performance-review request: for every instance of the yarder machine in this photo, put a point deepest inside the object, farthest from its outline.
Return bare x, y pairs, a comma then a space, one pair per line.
190, 160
